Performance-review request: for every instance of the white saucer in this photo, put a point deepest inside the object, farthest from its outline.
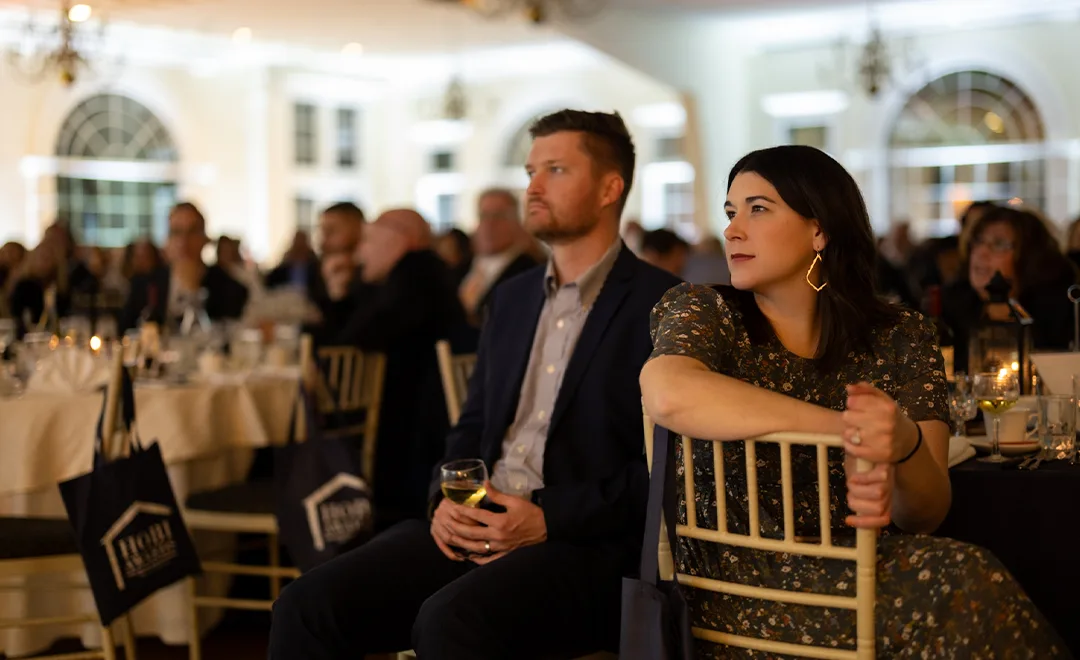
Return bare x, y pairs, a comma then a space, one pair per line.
982, 444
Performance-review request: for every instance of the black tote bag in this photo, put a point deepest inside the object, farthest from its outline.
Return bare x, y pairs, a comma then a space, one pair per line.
127, 524
323, 503
655, 617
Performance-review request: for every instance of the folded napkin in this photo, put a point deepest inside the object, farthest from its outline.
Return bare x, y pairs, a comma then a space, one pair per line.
959, 450
69, 371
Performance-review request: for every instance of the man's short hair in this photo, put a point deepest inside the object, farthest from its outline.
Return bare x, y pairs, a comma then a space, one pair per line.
348, 210
606, 140
509, 195
190, 208
662, 242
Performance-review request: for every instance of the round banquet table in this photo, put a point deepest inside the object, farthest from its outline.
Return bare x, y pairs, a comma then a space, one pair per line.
1028, 520
207, 433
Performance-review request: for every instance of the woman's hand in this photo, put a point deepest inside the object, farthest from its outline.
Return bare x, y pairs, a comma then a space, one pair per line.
876, 431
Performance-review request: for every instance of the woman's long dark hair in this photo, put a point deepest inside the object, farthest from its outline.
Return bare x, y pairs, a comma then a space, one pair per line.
817, 187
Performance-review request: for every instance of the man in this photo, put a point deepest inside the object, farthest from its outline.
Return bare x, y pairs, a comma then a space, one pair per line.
164, 295
341, 226
554, 410
664, 249
299, 268
501, 246
403, 302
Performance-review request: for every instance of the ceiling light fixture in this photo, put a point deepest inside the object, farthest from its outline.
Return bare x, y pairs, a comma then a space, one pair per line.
536, 11
59, 46
80, 13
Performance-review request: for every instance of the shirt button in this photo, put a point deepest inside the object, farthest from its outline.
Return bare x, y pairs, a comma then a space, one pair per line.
540, 415
521, 449
551, 368
519, 486
560, 323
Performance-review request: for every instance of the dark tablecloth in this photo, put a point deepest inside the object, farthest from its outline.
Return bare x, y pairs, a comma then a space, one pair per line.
1030, 521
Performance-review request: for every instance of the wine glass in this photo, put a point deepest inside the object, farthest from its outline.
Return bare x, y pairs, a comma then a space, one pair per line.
463, 481
962, 405
996, 393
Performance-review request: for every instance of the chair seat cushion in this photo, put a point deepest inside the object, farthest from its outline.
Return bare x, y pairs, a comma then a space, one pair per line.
253, 497
25, 538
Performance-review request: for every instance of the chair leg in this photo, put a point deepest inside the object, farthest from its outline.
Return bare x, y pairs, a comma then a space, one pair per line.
194, 641
275, 563
129, 637
108, 645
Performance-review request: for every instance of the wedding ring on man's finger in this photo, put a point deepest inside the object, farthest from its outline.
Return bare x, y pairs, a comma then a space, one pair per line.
487, 547
856, 439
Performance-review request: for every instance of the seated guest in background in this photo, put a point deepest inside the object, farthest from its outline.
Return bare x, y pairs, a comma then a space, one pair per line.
500, 245
231, 259
554, 411
891, 281
800, 343
39, 272
707, 263
455, 249
299, 269
164, 295
664, 249
11, 257
341, 226
402, 302
140, 258
1018, 244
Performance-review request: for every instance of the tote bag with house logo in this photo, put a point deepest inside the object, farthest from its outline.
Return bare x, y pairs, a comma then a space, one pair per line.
128, 527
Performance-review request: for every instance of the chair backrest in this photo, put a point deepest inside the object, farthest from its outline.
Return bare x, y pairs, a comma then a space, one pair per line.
350, 386
456, 370
864, 554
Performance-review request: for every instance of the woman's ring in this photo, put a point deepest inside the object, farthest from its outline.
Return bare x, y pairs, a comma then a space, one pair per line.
856, 439
487, 547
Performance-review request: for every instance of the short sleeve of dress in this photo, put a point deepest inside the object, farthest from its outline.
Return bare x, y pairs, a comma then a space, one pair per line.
693, 321
920, 389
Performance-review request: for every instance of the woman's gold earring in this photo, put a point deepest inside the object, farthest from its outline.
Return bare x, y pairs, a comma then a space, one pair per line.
815, 287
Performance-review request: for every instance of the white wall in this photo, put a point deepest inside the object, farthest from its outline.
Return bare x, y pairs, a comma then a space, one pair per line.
233, 127
731, 65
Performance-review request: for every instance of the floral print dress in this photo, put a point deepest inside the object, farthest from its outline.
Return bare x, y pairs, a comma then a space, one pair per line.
936, 597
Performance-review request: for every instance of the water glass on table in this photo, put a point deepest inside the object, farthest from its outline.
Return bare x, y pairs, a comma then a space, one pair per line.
962, 404
996, 393
1057, 425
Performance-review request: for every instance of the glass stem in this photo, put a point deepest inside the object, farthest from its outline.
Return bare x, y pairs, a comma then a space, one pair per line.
996, 439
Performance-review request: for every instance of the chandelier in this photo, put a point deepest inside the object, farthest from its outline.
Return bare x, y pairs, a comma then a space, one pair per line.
47, 49
874, 66
536, 11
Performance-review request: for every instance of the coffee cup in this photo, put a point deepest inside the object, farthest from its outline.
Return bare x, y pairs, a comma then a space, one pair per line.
1014, 425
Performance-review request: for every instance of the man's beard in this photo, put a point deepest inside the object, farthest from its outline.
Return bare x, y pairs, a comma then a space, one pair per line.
557, 231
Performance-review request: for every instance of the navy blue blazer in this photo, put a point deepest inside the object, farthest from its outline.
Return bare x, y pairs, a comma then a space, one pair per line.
595, 475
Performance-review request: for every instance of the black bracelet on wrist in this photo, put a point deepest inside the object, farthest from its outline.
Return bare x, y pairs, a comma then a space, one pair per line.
918, 443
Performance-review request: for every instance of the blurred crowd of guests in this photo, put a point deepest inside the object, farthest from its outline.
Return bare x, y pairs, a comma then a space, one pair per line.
947, 277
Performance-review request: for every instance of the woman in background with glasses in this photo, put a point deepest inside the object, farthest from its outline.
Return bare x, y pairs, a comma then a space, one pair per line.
1018, 244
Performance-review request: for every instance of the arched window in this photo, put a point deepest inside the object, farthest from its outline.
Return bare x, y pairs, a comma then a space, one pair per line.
117, 171
965, 137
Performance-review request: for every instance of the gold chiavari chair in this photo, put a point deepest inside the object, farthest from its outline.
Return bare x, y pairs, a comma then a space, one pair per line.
349, 386
456, 370
864, 554
31, 547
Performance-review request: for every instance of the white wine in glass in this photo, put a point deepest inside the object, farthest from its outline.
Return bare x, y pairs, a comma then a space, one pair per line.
463, 481
996, 393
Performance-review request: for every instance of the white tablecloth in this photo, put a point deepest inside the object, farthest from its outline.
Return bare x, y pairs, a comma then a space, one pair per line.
207, 433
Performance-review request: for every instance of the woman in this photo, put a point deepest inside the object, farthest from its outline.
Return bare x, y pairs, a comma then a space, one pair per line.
800, 342
1018, 244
